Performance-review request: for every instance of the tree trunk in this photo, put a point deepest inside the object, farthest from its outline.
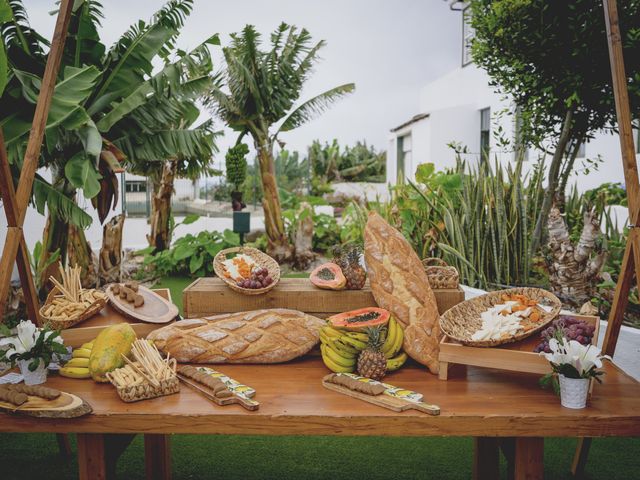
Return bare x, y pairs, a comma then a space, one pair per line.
566, 173
109, 270
303, 244
79, 253
552, 183
160, 237
278, 243
573, 269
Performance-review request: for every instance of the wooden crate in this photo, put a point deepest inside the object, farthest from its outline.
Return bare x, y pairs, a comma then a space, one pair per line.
89, 329
515, 357
210, 296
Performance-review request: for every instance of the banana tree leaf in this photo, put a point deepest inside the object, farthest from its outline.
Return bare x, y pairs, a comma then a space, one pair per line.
4, 69
82, 173
56, 201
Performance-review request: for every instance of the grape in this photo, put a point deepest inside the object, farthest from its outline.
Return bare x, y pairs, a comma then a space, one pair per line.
569, 327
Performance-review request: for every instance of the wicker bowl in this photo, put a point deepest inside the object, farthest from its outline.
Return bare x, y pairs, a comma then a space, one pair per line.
61, 324
440, 274
261, 258
463, 320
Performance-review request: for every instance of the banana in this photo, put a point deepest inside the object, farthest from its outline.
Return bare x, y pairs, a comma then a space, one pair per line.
391, 338
360, 336
332, 365
332, 332
353, 342
75, 372
397, 342
87, 346
396, 362
78, 362
338, 359
324, 338
81, 353
345, 349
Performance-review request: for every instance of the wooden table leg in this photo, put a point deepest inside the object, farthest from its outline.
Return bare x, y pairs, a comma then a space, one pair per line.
528, 462
486, 462
157, 454
580, 457
64, 445
91, 457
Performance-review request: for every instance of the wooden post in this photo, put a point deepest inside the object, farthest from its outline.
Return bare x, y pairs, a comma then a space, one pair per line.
17, 202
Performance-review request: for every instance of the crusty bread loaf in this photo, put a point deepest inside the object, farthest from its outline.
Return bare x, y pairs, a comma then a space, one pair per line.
261, 336
400, 285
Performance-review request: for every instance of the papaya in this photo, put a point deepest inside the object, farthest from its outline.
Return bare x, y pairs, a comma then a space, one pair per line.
328, 276
108, 348
360, 319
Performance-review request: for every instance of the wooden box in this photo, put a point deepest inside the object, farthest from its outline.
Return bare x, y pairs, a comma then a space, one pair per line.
516, 357
210, 296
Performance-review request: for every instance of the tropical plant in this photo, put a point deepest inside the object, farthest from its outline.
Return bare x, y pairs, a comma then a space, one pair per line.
360, 163
259, 97
236, 168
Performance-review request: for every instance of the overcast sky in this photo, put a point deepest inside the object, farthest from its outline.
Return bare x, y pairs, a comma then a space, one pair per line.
388, 48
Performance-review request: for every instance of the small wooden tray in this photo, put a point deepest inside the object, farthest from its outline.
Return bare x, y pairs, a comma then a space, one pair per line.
155, 309
66, 405
515, 357
244, 401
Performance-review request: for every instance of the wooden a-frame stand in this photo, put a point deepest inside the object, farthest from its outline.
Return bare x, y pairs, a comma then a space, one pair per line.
17, 202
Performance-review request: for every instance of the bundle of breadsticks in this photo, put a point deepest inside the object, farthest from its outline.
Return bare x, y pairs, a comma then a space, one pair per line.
148, 366
71, 300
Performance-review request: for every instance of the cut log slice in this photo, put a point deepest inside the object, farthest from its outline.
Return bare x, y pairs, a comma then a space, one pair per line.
67, 405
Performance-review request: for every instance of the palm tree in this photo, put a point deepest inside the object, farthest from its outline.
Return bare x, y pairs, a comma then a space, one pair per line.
259, 97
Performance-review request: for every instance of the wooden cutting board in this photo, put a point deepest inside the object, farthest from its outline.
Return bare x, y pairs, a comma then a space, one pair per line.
243, 400
66, 405
155, 309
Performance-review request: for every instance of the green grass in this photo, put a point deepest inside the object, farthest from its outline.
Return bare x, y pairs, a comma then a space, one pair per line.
254, 457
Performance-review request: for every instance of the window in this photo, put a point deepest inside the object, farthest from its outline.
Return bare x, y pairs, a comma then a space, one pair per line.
404, 156
467, 36
485, 133
135, 186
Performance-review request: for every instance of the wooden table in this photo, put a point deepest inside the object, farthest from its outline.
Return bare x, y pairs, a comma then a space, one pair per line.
485, 404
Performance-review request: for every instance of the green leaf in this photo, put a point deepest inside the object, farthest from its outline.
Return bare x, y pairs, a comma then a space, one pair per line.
196, 262
58, 203
231, 238
183, 251
189, 219
4, 69
82, 173
424, 172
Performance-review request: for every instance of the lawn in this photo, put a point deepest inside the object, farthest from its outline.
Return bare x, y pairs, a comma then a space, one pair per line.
253, 457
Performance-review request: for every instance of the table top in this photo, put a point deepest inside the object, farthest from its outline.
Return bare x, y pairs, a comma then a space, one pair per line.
474, 402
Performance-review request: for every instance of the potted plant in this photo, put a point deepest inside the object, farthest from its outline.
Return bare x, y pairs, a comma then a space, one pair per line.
31, 349
574, 365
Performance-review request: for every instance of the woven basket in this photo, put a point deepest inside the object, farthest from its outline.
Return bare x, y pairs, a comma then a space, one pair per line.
463, 320
262, 259
146, 390
59, 324
441, 275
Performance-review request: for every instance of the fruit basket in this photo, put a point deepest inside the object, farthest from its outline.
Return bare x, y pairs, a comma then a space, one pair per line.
440, 274
260, 261
464, 320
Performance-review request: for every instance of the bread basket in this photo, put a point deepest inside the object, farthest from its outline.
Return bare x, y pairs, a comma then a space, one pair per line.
440, 274
461, 321
146, 390
262, 259
56, 323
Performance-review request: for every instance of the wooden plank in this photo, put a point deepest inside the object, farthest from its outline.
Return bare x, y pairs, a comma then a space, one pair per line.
7, 261
91, 457
157, 454
7, 190
486, 458
26, 282
529, 459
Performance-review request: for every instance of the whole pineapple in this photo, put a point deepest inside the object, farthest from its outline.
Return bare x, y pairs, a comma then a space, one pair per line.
347, 257
372, 362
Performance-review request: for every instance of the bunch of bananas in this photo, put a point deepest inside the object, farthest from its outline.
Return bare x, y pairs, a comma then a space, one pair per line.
340, 348
78, 366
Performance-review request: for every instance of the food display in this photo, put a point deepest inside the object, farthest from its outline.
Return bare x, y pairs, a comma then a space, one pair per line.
68, 303
217, 387
147, 376
514, 314
128, 291
260, 336
400, 285
342, 348
328, 276
348, 257
109, 349
78, 366
378, 393
41, 401
568, 327
247, 270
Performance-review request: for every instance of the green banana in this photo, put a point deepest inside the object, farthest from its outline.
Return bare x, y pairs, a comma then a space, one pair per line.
396, 362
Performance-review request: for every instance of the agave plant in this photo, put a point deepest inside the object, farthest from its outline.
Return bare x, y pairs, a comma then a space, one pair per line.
259, 97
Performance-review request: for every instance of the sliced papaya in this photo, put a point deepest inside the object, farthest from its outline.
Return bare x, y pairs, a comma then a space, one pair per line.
360, 319
328, 276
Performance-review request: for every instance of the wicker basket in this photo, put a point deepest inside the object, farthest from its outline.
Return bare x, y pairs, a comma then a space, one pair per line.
441, 275
463, 320
146, 390
57, 324
262, 259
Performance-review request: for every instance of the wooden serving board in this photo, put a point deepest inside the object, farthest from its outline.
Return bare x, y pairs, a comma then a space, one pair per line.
155, 309
383, 400
66, 405
244, 401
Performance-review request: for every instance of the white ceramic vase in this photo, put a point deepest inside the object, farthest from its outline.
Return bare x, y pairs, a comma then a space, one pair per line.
38, 376
573, 392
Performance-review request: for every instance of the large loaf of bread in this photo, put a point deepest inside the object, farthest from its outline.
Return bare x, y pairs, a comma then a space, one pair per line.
261, 336
400, 285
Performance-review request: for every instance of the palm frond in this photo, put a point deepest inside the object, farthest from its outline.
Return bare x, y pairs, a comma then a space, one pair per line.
64, 207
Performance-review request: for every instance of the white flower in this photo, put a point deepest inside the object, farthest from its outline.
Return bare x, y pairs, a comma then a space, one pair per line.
582, 357
26, 337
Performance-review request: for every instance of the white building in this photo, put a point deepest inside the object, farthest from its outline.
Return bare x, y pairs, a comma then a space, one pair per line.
462, 107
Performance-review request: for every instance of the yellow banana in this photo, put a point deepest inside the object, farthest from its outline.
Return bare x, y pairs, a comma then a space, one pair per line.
78, 362
81, 353
87, 346
353, 342
75, 372
332, 365
338, 359
391, 338
397, 342
361, 336
324, 338
345, 348
332, 332
396, 362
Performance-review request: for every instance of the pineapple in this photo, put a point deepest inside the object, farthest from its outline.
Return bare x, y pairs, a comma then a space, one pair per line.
372, 362
347, 257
